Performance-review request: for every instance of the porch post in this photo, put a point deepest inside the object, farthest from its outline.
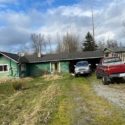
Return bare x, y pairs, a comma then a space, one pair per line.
59, 68
50, 67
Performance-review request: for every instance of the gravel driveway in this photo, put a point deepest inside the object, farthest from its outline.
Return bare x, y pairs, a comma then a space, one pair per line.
114, 93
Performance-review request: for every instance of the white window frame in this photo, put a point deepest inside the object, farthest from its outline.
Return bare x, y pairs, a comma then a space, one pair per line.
4, 65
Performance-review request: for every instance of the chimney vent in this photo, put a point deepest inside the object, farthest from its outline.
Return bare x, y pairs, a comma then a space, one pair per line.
39, 54
21, 54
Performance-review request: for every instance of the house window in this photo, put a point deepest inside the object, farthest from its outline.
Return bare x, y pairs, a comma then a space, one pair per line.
106, 54
3, 68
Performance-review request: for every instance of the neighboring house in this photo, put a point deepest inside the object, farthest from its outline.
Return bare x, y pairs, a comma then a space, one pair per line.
13, 65
115, 52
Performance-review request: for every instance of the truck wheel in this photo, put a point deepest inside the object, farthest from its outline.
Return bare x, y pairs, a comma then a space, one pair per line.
105, 80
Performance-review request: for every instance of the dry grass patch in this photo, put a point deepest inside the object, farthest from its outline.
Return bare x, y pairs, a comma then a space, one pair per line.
40, 112
64, 100
50, 77
5, 80
33, 106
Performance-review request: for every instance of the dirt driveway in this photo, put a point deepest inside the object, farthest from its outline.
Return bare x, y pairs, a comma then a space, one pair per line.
114, 93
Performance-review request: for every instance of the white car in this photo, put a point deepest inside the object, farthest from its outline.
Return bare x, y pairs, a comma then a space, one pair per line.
82, 67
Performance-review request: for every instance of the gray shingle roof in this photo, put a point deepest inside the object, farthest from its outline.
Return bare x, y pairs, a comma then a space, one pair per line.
54, 57
14, 57
116, 50
119, 49
65, 56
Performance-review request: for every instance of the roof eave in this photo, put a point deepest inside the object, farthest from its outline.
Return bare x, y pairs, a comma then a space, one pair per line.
65, 59
9, 57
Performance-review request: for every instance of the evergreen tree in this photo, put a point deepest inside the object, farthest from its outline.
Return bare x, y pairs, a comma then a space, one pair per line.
89, 43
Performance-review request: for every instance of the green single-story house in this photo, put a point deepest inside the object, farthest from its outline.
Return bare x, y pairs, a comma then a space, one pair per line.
13, 65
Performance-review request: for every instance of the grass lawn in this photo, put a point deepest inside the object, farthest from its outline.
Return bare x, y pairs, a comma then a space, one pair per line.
63, 101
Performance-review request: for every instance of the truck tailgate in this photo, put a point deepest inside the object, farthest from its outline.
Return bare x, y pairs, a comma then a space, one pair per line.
115, 69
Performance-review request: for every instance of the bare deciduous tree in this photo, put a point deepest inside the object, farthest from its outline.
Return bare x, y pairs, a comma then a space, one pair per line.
49, 43
38, 42
101, 45
112, 43
109, 44
68, 43
59, 48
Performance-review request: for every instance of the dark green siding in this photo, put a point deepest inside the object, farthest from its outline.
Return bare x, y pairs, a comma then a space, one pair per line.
39, 69
35, 69
24, 73
13, 70
64, 67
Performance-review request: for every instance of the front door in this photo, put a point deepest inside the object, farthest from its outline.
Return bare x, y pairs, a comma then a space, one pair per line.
55, 67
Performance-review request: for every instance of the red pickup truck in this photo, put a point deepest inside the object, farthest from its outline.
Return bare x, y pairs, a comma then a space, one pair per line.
110, 68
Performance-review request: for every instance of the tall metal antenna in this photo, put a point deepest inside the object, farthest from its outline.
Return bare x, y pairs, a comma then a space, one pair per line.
93, 25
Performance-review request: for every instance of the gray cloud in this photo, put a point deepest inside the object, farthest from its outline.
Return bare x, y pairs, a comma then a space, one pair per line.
16, 27
110, 21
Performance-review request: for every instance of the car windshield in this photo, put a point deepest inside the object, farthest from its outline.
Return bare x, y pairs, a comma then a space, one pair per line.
82, 64
111, 60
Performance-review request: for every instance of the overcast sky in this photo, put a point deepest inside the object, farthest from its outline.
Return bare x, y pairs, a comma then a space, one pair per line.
20, 18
